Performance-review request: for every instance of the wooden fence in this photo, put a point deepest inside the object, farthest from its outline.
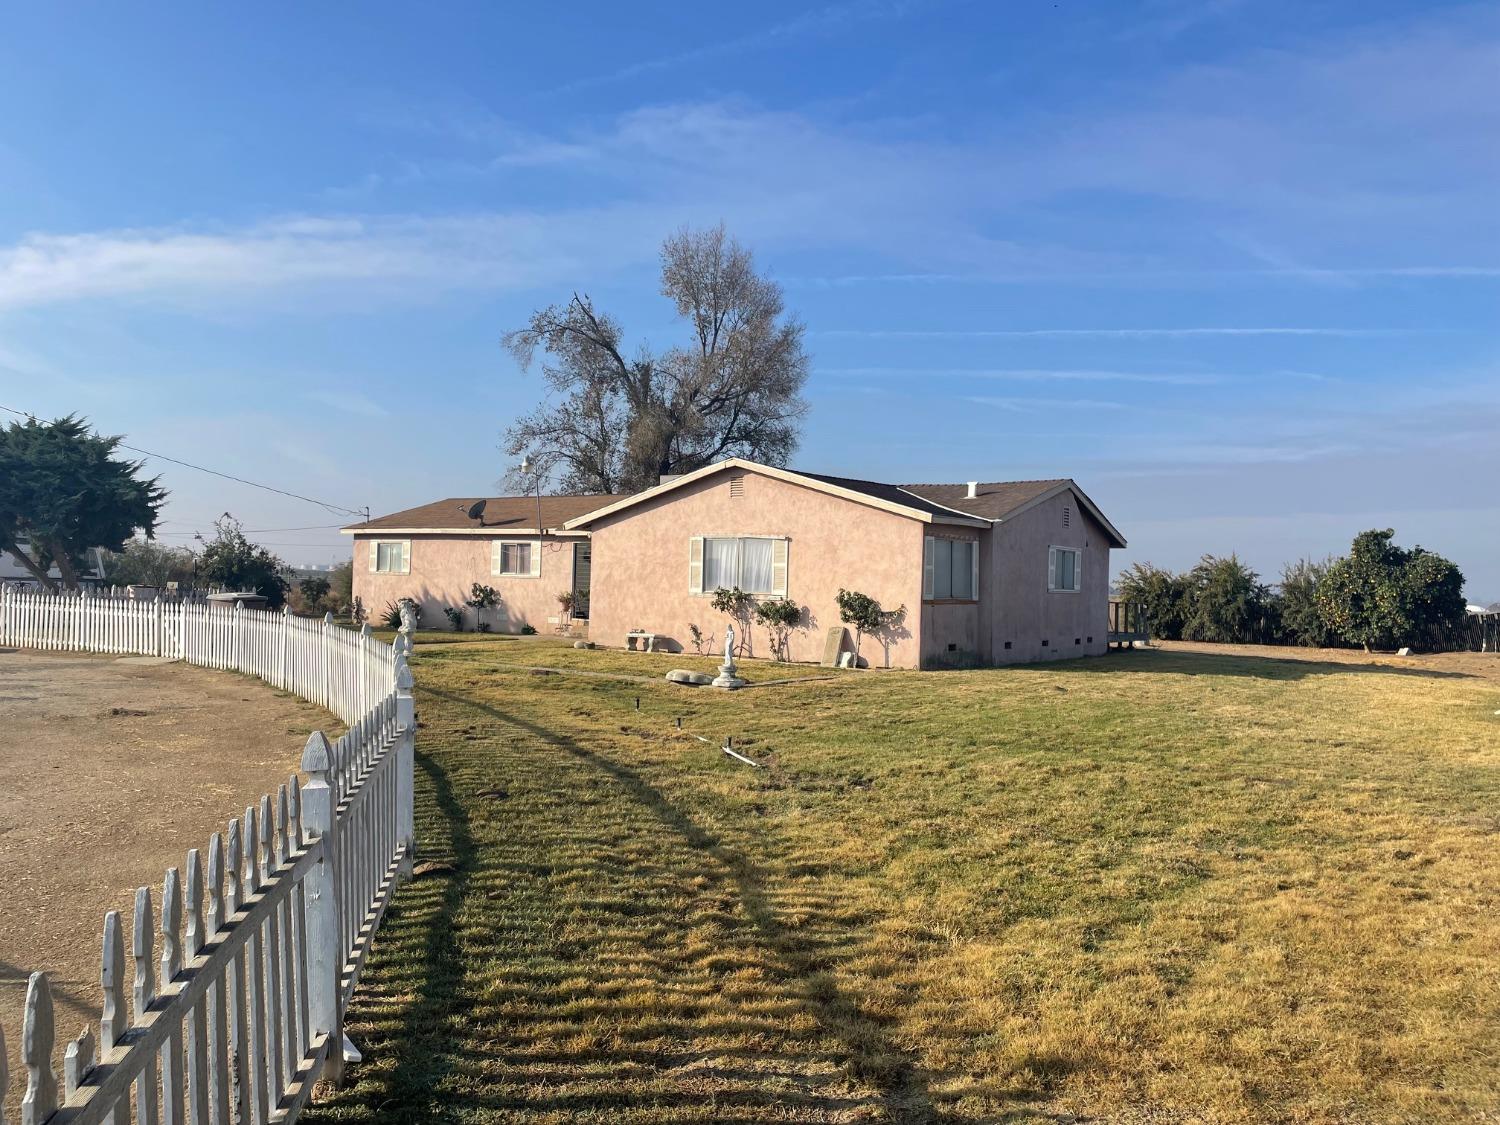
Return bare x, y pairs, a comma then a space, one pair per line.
262, 936
344, 671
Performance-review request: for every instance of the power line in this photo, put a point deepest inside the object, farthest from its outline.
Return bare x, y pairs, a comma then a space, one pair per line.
334, 508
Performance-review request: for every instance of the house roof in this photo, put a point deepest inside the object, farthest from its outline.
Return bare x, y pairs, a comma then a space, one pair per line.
993, 502
503, 515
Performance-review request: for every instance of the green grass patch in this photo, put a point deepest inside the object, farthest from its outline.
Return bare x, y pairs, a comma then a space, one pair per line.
1152, 886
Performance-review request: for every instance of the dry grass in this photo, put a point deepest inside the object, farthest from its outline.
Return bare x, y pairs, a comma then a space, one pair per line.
1154, 887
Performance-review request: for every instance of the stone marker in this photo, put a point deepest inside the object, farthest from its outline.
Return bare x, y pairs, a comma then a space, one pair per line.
833, 645
1403, 652
692, 679
583, 644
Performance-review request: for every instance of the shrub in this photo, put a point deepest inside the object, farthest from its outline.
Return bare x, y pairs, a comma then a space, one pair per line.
1297, 602
390, 617
700, 641
455, 618
1226, 602
527, 630
780, 616
480, 599
1383, 596
737, 605
865, 615
1162, 593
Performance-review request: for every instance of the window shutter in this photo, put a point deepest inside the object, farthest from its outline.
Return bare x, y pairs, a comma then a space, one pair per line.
929, 565
1051, 568
974, 558
374, 555
495, 556
536, 558
695, 565
1077, 570
778, 567
406, 557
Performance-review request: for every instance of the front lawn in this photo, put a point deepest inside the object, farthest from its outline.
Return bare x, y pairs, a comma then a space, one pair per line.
1150, 886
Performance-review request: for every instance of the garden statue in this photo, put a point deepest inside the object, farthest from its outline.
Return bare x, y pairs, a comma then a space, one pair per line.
726, 677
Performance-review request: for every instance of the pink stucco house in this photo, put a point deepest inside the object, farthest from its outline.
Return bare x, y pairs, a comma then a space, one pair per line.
987, 573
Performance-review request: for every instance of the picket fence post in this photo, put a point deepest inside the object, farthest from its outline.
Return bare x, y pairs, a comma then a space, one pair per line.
324, 956
161, 627
406, 733
286, 633
239, 660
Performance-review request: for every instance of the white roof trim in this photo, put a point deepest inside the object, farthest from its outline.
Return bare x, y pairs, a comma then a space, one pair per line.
492, 532
786, 475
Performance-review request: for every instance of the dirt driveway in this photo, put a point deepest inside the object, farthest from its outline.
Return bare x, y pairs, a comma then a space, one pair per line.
110, 770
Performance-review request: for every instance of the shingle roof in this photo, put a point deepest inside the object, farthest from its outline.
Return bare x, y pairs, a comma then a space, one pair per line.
501, 513
890, 493
992, 501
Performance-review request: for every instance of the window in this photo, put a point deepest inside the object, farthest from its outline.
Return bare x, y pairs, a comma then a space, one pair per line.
390, 556
950, 570
515, 559
756, 565
1064, 569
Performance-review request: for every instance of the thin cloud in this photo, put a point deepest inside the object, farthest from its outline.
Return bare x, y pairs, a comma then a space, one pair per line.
831, 19
987, 333
1032, 405
351, 402
1027, 374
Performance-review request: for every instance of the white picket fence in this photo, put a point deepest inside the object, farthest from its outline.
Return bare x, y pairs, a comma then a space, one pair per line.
262, 941
344, 671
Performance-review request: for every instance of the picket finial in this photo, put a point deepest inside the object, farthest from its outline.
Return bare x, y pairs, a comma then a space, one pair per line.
78, 1060
192, 894
37, 1037
171, 926
365, 630
317, 756
328, 617
232, 871
282, 847
145, 972
294, 809
286, 610
252, 837
404, 681
267, 850
216, 912
113, 1022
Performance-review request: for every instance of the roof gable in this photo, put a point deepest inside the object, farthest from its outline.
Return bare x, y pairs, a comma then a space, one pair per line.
870, 493
998, 501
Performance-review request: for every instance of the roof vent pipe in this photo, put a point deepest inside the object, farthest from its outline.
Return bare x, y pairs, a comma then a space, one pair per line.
973, 490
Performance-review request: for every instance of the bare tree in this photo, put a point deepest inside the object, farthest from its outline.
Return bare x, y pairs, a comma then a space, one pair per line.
619, 424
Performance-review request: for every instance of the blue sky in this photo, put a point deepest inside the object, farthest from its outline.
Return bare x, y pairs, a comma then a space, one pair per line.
1234, 266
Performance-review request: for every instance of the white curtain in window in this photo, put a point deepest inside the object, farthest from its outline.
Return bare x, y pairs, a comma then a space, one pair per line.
515, 558
755, 566
942, 574
720, 564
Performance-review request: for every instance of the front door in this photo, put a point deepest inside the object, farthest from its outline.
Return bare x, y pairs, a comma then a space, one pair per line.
582, 558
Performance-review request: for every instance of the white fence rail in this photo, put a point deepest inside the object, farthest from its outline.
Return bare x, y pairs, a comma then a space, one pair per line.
344, 671
262, 941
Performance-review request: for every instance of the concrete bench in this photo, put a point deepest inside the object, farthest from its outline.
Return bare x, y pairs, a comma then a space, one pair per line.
640, 642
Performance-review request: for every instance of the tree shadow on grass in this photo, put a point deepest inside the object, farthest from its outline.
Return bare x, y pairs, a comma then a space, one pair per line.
525, 1006
1268, 667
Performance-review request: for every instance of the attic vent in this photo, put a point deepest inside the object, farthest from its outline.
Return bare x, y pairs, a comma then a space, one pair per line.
1067, 515
736, 486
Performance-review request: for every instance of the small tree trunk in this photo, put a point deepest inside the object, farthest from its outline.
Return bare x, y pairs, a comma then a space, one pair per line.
68, 570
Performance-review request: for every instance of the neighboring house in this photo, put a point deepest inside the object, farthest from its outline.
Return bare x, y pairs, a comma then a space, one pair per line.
436, 553
12, 573
985, 572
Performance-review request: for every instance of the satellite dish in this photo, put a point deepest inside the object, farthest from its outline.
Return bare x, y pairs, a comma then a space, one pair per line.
476, 511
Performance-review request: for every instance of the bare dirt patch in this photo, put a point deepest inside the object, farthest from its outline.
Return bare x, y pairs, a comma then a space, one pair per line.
113, 769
